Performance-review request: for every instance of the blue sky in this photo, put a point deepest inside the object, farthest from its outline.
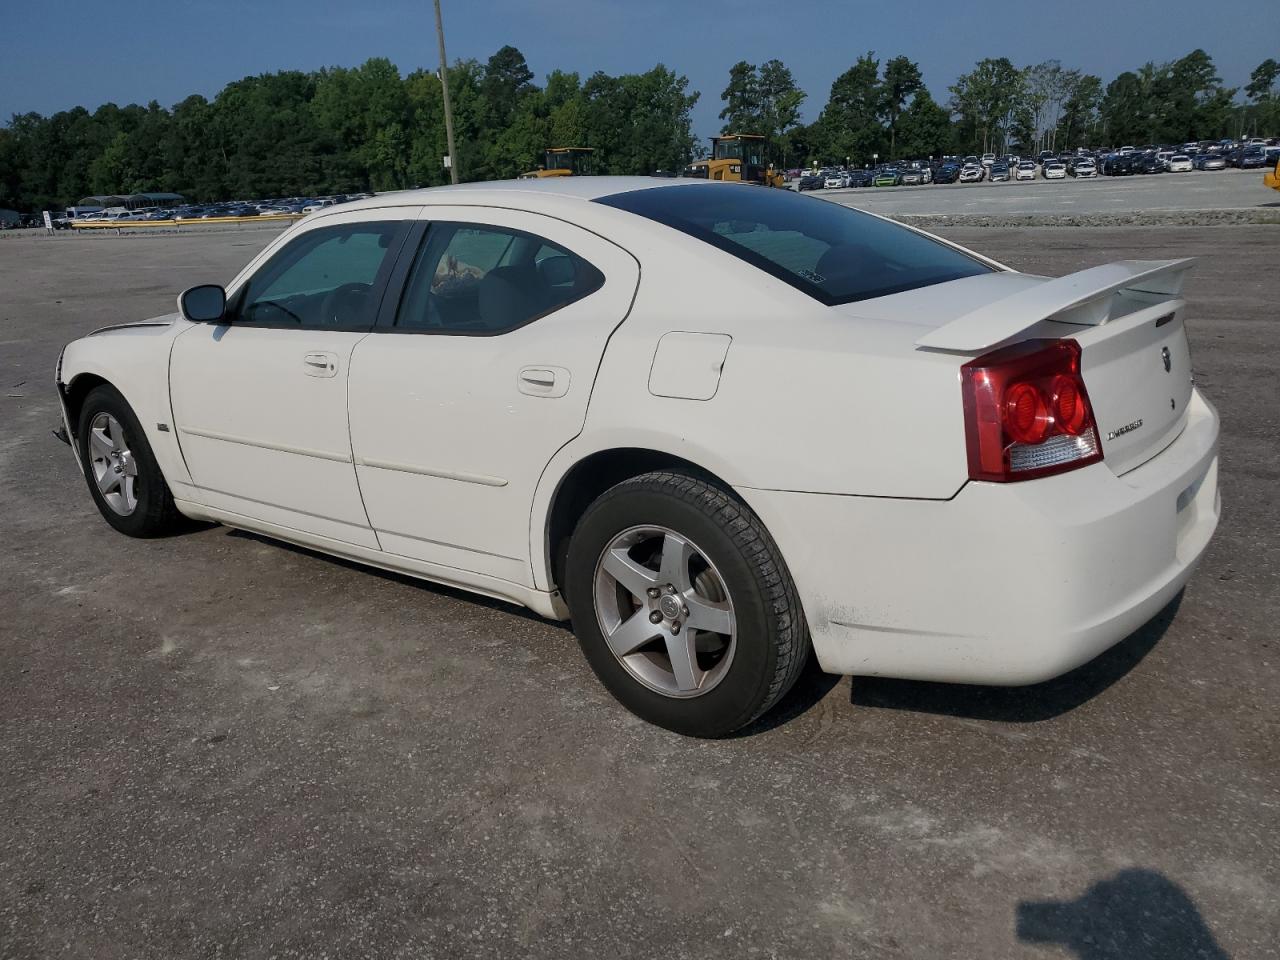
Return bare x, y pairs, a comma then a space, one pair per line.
55, 54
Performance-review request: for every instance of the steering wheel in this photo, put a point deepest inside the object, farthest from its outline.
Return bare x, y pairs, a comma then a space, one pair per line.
341, 303
273, 305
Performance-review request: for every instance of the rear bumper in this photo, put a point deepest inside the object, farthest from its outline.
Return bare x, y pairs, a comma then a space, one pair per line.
1004, 584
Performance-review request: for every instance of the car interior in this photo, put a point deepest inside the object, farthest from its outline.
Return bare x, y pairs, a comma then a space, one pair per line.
487, 280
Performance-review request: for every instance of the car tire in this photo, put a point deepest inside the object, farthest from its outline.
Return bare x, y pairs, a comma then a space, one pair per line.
120, 468
684, 540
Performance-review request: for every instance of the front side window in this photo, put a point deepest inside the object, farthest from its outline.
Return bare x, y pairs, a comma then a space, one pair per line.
484, 280
325, 278
831, 252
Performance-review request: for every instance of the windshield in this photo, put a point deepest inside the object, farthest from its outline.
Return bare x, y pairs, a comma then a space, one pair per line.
833, 253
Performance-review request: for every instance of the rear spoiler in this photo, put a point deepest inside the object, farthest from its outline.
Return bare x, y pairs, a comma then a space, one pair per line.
1083, 298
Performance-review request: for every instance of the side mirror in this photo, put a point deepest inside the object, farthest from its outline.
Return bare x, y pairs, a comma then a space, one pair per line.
203, 304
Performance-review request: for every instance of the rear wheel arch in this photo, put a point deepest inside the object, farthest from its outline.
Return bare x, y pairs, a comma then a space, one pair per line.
590, 477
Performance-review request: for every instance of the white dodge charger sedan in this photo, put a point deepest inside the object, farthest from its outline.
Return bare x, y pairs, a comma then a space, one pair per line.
715, 425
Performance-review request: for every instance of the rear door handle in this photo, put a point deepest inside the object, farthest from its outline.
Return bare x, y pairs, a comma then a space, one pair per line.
320, 364
544, 381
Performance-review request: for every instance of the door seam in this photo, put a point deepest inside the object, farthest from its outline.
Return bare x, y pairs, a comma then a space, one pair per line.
351, 438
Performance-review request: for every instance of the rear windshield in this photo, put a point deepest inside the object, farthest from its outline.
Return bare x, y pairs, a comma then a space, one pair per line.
832, 252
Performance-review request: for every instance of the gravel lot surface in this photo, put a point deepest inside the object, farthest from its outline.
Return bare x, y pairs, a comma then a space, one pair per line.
1151, 198
215, 745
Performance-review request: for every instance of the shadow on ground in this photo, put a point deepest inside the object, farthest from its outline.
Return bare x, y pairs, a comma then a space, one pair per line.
809, 690
430, 586
1041, 701
1135, 915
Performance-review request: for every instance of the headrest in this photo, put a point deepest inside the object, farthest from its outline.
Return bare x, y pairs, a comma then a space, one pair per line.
509, 296
557, 271
842, 260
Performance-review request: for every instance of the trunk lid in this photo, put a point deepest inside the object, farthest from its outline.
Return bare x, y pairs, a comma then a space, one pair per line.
1128, 318
1137, 369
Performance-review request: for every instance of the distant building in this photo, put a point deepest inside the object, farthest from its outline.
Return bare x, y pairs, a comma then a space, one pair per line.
133, 201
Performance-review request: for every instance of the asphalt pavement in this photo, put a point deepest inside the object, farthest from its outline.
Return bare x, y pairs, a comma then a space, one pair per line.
215, 745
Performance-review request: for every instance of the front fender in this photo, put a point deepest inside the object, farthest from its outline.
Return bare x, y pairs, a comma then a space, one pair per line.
134, 359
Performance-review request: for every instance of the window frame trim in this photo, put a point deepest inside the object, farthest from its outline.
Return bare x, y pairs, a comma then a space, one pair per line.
419, 234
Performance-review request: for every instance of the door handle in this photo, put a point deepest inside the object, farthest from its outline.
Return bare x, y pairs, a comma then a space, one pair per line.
543, 381
320, 364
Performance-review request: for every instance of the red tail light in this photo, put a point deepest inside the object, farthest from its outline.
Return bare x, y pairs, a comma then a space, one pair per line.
1027, 413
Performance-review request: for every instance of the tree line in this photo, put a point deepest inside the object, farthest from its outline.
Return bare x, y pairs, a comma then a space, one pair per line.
884, 110
339, 129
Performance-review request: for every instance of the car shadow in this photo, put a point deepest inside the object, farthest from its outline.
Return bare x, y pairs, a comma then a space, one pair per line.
1135, 915
807, 693
478, 599
1029, 704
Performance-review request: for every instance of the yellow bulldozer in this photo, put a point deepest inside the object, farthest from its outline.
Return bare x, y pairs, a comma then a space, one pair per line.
563, 162
736, 156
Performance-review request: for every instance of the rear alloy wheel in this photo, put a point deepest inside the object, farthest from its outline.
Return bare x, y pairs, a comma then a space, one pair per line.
683, 606
124, 478
664, 611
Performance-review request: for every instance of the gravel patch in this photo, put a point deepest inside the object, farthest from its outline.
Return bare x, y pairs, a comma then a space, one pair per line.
1269, 216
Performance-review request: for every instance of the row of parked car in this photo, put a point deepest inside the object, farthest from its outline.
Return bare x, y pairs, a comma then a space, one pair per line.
283, 206
1048, 165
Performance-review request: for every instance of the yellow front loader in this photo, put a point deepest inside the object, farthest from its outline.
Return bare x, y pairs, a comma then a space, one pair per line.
736, 156
563, 162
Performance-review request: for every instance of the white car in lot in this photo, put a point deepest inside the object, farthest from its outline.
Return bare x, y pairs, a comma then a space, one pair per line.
1084, 169
1054, 170
972, 173
835, 181
714, 425
1180, 163
1026, 170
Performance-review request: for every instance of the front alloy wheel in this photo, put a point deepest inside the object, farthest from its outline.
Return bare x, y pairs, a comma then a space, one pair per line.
115, 470
123, 476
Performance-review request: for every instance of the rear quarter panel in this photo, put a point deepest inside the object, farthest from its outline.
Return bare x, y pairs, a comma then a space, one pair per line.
810, 398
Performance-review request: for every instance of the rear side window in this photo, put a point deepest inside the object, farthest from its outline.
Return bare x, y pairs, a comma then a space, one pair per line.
832, 252
482, 280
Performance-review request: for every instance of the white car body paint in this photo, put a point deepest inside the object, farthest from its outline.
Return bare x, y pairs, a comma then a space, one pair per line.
840, 426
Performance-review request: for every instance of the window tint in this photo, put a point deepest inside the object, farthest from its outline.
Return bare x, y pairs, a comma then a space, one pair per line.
830, 251
323, 279
473, 279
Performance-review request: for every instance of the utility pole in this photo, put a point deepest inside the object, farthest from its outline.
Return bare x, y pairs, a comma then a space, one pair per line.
448, 107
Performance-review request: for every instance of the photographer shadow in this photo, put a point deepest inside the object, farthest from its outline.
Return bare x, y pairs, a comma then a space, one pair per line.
1135, 915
